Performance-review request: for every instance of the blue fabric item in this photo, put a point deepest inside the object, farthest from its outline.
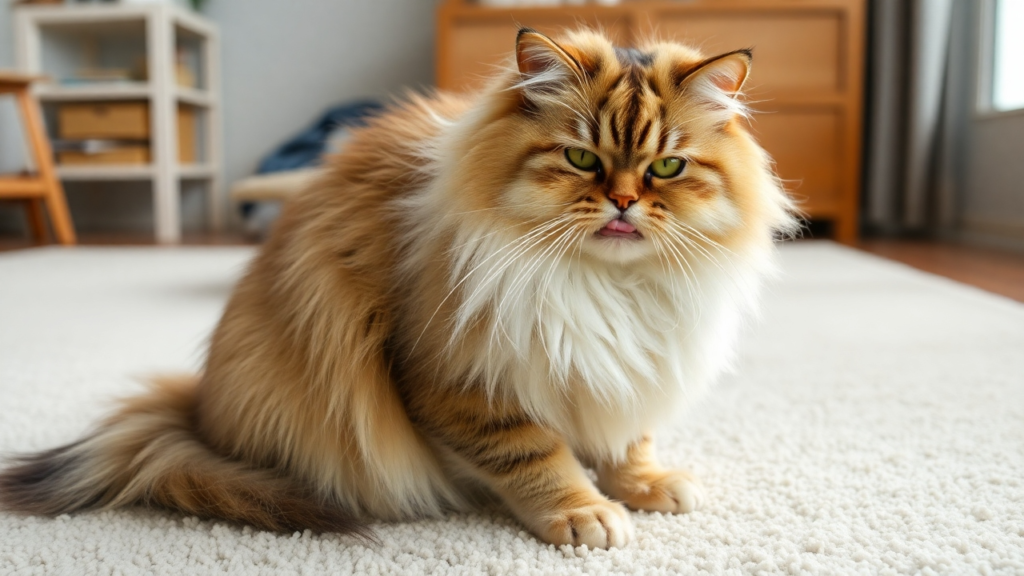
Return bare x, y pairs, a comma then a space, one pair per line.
307, 148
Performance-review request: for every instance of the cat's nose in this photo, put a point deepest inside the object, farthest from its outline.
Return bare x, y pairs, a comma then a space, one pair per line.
623, 199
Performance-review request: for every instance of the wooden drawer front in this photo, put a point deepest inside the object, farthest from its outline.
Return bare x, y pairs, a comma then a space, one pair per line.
476, 46
807, 145
126, 120
793, 50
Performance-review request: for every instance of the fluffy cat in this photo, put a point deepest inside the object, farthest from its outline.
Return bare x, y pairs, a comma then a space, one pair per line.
484, 296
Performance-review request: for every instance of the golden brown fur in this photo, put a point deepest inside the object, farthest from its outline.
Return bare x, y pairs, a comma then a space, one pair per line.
443, 317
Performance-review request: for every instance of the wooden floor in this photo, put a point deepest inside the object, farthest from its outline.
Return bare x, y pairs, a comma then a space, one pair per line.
131, 239
992, 270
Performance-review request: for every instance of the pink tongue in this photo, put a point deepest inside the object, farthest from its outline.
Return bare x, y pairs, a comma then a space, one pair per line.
620, 226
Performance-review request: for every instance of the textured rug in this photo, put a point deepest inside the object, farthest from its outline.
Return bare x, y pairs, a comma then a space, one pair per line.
875, 424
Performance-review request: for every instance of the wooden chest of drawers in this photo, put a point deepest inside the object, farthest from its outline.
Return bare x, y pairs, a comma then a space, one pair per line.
806, 82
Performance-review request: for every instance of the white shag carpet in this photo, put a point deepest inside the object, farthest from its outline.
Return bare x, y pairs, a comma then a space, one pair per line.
874, 425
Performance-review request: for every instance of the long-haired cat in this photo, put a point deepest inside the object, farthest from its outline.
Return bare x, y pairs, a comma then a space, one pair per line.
484, 296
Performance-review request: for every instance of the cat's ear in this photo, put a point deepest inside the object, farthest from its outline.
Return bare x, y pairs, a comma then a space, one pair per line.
542, 62
718, 80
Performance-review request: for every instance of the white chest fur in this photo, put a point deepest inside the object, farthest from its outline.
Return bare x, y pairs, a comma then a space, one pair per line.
603, 352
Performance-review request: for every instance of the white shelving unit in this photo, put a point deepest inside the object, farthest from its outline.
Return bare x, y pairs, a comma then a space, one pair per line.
158, 28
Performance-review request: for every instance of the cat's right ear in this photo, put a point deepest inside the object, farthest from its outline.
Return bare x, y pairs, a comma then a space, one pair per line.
542, 62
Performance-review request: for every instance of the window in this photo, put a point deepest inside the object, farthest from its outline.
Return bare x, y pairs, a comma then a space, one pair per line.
1008, 55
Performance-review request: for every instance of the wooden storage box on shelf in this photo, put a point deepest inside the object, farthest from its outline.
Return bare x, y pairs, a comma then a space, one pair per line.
111, 120
121, 156
188, 132
806, 81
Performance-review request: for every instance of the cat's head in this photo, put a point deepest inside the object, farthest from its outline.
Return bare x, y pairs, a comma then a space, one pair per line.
623, 153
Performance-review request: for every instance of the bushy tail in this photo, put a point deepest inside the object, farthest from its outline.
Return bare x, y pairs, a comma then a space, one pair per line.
148, 453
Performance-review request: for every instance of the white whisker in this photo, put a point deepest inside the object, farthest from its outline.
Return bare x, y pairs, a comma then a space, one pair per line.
464, 278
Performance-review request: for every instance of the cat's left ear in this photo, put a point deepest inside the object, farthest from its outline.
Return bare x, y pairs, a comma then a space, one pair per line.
543, 62
718, 80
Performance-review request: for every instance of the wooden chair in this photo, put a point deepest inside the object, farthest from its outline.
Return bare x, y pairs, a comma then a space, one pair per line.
43, 187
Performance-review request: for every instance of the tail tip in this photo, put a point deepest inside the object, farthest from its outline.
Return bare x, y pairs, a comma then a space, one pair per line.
36, 483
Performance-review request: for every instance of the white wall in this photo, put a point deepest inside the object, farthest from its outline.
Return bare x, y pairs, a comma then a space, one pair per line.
993, 211
10, 149
992, 181
283, 63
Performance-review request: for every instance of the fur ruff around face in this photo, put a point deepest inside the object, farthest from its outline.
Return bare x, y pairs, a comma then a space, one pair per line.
600, 337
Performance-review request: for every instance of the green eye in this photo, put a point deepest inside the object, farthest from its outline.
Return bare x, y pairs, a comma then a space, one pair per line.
667, 167
582, 159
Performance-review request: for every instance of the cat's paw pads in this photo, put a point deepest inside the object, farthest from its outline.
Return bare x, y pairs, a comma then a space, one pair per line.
674, 491
602, 524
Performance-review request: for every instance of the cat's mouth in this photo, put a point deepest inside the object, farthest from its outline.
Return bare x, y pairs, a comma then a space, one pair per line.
619, 228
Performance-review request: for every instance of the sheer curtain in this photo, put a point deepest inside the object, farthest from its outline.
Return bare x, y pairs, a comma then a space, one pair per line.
915, 109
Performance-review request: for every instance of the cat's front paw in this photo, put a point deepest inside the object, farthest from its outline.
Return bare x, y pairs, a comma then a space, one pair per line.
599, 524
675, 491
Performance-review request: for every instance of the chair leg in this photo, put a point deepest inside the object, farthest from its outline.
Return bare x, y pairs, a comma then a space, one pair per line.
37, 220
60, 215
56, 203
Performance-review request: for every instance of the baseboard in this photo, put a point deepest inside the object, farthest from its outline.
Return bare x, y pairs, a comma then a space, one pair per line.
991, 233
